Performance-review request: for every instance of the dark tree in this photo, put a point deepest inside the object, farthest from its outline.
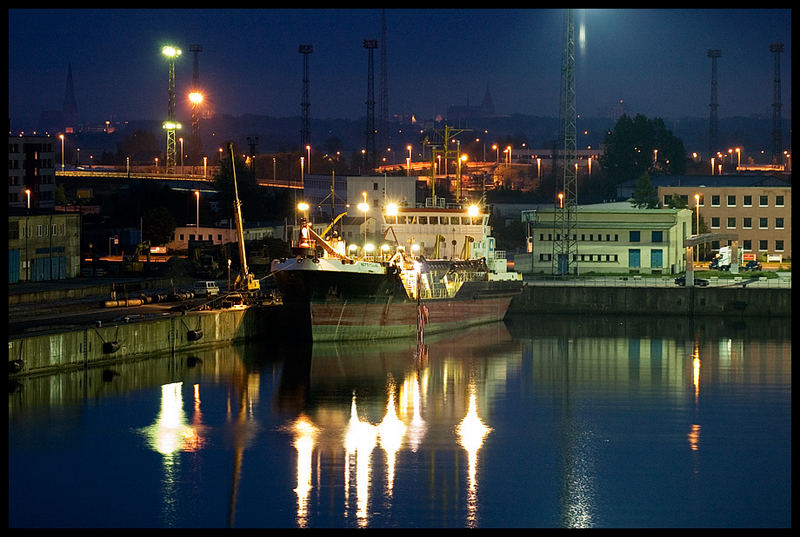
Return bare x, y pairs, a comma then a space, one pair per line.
645, 196
158, 225
630, 151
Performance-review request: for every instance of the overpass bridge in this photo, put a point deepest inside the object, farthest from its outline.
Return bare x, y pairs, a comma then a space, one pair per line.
176, 180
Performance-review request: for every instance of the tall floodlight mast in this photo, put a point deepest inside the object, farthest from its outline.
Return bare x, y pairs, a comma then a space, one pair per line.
565, 246
305, 105
171, 125
777, 157
196, 98
713, 120
371, 154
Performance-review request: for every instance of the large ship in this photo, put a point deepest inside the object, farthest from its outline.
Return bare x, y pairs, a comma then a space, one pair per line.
398, 289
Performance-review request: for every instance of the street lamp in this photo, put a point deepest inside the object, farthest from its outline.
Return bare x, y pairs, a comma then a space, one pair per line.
697, 216
308, 148
364, 206
28, 193
561, 200
181, 141
303, 207
197, 196
62, 151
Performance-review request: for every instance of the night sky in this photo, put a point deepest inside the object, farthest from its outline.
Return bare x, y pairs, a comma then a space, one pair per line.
655, 60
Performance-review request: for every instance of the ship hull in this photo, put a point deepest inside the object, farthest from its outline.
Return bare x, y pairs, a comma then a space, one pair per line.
359, 320
328, 303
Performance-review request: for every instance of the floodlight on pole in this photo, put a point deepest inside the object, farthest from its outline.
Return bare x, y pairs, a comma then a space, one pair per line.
171, 125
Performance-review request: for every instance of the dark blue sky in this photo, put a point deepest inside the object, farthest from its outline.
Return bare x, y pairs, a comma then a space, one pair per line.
653, 59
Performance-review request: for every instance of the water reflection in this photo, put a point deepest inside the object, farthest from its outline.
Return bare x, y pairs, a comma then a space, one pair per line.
458, 422
471, 432
304, 437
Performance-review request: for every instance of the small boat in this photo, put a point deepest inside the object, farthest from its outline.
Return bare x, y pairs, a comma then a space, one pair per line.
334, 296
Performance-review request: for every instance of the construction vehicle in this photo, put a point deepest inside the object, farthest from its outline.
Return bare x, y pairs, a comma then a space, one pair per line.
131, 263
245, 281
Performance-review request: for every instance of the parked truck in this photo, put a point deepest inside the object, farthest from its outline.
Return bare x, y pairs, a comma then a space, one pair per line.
722, 261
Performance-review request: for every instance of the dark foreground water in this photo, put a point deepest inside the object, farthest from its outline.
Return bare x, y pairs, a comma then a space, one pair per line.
538, 422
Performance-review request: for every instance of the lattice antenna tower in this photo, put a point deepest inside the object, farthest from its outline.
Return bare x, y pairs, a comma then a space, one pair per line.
371, 154
713, 120
565, 246
305, 104
777, 157
383, 130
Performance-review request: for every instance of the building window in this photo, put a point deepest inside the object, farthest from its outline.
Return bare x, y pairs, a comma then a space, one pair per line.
731, 201
779, 223
715, 200
747, 222
219, 238
731, 222
778, 201
715, 222
541, 236
374, 186
779, 245
747, 244
658, 236
763, 201
181, 236
634, 236
762, 223
762, 245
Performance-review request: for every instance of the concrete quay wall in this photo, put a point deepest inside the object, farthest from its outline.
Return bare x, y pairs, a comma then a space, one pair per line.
733, 301
96, 346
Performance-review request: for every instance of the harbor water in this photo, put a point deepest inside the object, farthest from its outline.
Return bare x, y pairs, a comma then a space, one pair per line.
540, 421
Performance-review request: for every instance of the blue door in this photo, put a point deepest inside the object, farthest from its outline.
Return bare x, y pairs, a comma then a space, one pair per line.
13, 266
656, 258
634, 258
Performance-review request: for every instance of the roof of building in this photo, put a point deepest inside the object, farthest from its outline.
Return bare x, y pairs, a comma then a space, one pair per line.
710, 181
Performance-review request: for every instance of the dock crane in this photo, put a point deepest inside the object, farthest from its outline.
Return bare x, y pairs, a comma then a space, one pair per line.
245, 282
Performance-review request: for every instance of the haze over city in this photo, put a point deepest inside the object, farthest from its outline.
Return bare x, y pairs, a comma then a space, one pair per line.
653, 59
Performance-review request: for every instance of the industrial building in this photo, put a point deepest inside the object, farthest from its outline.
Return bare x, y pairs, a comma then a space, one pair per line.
614, 238
31, 171
43, 245
758, 208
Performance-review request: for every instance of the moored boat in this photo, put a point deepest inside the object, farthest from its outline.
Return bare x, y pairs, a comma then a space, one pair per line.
341, 297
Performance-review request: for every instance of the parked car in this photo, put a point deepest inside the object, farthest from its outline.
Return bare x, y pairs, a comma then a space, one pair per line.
752, 265
698, 282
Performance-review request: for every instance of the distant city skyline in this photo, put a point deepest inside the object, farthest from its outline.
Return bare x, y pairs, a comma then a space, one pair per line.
654, 60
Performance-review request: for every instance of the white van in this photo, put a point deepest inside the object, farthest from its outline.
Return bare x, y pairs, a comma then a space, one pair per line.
206, 288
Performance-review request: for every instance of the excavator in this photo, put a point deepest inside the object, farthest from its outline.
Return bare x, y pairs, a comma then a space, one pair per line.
131, 263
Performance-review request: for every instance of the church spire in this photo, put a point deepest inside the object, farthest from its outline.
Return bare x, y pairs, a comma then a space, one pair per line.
70, 108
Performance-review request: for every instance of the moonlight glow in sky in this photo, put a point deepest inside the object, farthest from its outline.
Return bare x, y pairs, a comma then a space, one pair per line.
653, 59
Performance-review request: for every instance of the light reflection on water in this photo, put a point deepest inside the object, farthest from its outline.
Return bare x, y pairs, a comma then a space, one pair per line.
533, 424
